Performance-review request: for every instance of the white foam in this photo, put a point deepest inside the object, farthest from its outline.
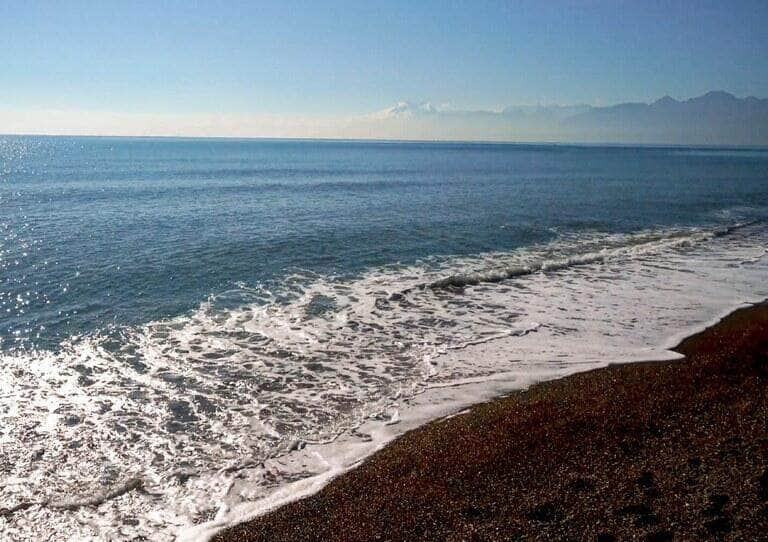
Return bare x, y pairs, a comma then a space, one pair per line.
190, 425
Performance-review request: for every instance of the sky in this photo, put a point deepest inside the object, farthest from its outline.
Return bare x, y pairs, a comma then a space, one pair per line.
165, 65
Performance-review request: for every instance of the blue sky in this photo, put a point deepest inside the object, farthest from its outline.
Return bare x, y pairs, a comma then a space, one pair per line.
339, 58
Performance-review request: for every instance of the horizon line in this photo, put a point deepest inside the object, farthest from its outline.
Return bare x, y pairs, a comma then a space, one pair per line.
394, 140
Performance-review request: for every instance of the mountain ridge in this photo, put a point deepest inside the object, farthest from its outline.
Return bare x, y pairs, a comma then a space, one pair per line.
715, 117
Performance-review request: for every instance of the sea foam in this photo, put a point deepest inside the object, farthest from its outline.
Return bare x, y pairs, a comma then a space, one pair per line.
181, 427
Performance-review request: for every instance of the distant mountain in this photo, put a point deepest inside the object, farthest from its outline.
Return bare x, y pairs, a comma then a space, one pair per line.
715, 118
545, 112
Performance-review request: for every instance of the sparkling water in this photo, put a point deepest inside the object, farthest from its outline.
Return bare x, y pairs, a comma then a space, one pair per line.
192, 328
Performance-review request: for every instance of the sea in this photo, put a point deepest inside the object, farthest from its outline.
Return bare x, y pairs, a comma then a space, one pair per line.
194, 331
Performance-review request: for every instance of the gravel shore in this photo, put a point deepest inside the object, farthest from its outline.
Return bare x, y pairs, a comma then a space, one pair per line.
649, 451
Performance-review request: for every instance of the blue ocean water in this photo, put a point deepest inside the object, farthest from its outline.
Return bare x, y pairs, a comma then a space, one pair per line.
177, 313
100, 232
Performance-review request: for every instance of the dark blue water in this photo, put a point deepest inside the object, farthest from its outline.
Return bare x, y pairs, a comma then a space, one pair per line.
100, 232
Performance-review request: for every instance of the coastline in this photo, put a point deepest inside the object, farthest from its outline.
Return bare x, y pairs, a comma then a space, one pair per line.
665, 450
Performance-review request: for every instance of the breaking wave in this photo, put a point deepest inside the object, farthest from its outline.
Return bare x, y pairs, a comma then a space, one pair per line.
178, 417
627, 247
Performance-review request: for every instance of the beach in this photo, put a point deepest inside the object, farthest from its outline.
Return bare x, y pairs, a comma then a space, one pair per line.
196, 332
674, 450
379, 271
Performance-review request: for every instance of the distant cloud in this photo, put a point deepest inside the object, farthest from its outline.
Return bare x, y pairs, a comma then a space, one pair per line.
714, 118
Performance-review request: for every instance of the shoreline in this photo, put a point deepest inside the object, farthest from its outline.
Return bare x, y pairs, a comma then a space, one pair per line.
426, 482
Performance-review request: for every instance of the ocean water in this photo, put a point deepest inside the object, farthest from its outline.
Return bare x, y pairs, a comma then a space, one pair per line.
193, 330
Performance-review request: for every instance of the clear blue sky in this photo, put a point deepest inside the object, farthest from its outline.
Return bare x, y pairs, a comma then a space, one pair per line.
341, 57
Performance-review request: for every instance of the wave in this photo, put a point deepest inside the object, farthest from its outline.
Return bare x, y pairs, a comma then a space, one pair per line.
633, 246
191, 414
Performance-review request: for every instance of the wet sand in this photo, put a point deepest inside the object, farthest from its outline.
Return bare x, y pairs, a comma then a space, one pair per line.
650, 451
